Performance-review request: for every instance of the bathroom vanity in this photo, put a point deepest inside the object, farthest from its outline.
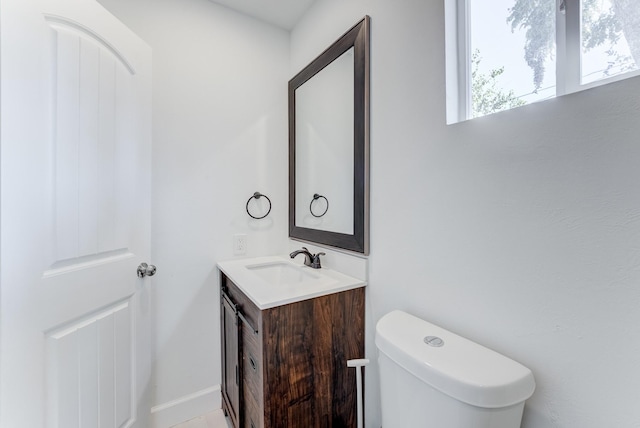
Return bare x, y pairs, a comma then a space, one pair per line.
285, 352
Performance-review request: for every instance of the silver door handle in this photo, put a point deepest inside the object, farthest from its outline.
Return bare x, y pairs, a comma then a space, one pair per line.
146, 270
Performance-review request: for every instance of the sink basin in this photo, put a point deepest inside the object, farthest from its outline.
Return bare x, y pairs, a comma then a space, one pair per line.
282, 273
275, 281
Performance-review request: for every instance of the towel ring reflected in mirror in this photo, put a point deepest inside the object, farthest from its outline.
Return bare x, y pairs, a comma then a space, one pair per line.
315, 198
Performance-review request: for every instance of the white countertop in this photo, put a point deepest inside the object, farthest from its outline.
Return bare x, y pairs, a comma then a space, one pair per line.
266, 294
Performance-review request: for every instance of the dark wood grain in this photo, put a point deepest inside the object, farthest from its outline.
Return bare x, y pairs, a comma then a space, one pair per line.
252, 385
307, 345
230, 352
294, 372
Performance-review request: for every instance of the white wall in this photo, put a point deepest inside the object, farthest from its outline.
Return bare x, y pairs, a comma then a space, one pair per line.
219, 134
520, 230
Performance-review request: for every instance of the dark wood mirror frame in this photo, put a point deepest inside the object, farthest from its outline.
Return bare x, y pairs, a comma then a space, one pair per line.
358, 38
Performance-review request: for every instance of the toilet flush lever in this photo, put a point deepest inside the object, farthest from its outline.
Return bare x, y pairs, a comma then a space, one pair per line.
434, 341
146, 270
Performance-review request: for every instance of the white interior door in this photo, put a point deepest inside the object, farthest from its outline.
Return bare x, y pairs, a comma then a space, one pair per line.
75, 217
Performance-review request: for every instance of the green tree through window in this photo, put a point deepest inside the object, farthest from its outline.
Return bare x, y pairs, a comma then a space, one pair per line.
598, 28
506, 53
487, 96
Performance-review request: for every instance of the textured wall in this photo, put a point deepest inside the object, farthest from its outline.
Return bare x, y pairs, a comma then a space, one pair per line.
219, 134
520, 230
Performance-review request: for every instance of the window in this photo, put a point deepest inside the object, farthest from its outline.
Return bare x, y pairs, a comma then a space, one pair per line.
506, 53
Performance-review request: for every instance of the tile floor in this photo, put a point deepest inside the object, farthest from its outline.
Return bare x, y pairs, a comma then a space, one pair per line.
210, 420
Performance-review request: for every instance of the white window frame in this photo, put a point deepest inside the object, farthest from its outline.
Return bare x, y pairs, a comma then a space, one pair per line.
568, 56
568, 41
459, 59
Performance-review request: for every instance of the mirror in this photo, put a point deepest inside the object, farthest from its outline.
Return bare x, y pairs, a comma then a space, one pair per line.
329, 145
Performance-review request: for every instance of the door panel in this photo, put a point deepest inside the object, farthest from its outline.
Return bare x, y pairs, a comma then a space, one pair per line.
90, 361
75, 186
230, 360
93, 105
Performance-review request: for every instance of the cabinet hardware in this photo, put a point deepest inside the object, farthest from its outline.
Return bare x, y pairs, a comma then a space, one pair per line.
229, 301
238, 313
246, 321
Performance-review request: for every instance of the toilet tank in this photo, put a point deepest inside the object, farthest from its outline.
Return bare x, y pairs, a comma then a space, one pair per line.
432, 378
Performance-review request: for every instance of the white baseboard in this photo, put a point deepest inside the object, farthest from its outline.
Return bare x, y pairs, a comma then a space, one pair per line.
184, 408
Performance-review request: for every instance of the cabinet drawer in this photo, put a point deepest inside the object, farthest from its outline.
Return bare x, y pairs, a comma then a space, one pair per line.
252, 372
253, 413
252, 342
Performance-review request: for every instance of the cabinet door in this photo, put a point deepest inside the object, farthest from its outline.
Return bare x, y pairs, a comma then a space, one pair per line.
230, 361
252, 378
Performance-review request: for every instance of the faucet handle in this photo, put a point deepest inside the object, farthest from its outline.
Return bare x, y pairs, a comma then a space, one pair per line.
308, 257
315, 263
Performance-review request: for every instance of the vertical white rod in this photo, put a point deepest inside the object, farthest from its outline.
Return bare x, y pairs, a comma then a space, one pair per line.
359, 383
358, 366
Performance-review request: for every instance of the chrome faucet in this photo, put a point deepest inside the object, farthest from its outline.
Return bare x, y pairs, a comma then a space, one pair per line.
312, 260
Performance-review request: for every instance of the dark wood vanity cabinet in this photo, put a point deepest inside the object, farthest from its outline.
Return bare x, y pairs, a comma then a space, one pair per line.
286, 367
230, 364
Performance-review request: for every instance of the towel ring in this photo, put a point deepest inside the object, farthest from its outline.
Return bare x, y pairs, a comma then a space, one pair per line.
258, 195
315, 198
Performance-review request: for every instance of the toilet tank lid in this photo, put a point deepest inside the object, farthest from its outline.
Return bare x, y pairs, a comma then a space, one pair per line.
460, 368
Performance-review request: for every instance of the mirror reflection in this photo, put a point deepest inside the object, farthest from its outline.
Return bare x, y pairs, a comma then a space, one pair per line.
324, 148
329, 145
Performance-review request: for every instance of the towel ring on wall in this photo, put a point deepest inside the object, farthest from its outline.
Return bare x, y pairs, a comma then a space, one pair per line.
315, 198
258, 195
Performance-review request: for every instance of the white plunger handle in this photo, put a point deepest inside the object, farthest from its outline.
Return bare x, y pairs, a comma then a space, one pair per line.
358, 364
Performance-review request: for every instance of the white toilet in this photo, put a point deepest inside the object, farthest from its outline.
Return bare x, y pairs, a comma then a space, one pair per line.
432, 378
